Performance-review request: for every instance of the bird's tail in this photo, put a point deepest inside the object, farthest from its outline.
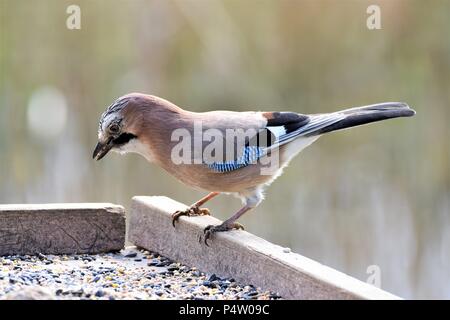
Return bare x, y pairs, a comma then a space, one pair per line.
358, 116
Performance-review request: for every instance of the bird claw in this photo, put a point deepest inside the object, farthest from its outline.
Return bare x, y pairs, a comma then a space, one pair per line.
211, 229
191, 211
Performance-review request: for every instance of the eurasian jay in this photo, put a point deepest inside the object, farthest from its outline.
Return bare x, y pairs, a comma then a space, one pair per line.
242, 163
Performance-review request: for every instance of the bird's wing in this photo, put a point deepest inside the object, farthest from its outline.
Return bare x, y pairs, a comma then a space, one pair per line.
307, 125
281, 128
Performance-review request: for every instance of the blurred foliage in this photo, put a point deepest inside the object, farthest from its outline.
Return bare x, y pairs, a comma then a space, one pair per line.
373, 195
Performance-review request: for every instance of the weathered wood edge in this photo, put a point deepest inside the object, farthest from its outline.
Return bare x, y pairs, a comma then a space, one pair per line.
55, 207
61, 228
239, 254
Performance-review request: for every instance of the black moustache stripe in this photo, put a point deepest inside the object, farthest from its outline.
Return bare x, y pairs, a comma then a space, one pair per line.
124, 138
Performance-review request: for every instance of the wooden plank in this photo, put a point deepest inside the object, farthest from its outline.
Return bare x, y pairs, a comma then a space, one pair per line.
66, 228
239, 254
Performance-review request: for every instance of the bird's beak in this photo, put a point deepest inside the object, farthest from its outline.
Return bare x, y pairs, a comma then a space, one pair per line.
101, 149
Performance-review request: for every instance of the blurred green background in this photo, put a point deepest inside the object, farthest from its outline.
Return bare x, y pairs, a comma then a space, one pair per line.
374, 195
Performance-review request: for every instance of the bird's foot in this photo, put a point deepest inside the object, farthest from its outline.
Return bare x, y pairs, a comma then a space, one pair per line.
191, 211
210, 230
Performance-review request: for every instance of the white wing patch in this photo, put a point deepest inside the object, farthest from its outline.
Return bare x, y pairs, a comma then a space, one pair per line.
278, 131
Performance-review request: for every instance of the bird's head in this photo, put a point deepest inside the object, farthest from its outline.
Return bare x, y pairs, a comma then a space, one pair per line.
131, 123
116, 128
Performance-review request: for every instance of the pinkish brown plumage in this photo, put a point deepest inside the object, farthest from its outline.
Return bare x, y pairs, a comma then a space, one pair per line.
263, 144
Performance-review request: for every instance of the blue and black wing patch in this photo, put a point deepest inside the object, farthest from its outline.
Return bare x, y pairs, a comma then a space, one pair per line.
250, 155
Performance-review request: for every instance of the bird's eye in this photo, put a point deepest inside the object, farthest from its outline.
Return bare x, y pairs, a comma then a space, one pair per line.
114, 128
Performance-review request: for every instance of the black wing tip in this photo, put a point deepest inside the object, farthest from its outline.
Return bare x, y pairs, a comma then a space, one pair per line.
408, 112
401, 108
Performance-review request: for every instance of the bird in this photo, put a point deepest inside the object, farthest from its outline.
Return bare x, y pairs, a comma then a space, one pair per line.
243, 163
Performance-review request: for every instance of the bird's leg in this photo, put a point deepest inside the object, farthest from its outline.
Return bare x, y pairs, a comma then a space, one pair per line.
194, 210
227, 225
